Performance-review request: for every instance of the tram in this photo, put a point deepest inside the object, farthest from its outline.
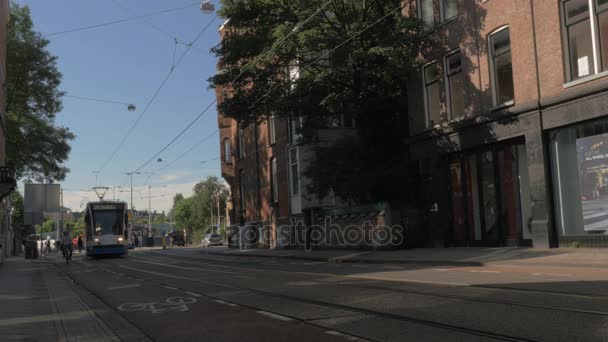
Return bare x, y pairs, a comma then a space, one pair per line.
106, 225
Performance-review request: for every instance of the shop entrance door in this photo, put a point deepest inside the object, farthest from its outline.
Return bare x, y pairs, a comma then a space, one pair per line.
485, 203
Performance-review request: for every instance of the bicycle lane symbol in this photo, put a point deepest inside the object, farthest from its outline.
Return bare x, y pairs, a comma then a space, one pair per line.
170, 304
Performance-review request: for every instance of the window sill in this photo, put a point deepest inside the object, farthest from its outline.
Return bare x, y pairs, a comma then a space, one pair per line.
502, 106
585, 79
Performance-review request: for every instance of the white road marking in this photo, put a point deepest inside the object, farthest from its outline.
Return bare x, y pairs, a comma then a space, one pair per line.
279, 317
170, 287
484, 271
439, 269
348, 337
122, 287
187, 268
193, 294
553, 274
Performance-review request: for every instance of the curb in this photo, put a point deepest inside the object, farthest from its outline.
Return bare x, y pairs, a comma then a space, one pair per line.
349, 259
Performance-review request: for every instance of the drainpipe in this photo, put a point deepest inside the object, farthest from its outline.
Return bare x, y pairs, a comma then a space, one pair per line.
257, 170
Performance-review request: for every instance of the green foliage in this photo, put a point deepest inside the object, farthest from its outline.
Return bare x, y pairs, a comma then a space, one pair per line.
194, 213
365, 78
36, 147
17, 216
47, 227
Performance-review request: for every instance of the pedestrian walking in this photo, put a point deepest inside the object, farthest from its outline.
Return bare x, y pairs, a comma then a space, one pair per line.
66, 242
80, 243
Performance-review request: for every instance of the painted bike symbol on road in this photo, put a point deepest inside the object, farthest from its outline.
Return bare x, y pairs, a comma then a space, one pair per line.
170, 304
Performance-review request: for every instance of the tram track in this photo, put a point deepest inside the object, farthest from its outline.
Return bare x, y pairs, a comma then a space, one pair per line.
434, 294
343, 307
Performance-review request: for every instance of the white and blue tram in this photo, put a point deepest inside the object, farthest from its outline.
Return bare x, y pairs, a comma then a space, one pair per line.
106, 225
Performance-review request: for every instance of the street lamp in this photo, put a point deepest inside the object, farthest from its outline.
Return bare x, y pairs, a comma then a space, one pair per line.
207, 7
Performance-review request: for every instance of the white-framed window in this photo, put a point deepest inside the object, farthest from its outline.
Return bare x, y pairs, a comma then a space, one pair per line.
272, 136
274, 181
432, 97
449, 9
227, 151
294, 172
224, 95
454, 79
426, 12
296, 123
585, 35
241, 147
501, 66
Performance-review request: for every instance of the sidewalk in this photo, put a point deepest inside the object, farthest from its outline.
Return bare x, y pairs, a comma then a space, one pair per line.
38, 303
469, 256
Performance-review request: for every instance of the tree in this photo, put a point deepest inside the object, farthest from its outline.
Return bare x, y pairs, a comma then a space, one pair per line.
36, 147
194, 213
17, 216
374, 51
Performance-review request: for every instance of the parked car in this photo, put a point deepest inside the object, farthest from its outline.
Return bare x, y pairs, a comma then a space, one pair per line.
213, 239
177, 238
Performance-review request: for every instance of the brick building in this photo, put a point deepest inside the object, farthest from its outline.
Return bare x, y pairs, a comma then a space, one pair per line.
254, 164
7, 178
511, 118
264, 165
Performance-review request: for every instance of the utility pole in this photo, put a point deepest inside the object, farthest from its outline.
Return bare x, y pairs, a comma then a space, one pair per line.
132, 214
149, 212
61, 211
219, 220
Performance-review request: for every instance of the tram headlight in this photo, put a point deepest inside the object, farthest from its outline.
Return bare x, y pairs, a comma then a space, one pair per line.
96, 239
119, 239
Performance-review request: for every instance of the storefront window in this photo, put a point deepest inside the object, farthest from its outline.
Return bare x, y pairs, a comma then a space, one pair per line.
580, 172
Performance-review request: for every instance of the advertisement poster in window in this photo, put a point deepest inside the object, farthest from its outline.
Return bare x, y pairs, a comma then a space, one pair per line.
592, 154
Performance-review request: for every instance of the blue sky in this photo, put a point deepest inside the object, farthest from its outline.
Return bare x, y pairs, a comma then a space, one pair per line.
127, 62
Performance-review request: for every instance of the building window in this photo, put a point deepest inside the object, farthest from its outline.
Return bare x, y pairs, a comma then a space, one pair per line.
227, 151
455, 81
224, 95
294, 172
579, 38
274, 181
502, 70
272, 137
241, 147
432, 97
426, 12
450, 9
295, 129
242, 191
580, 178
585, 36
602, 23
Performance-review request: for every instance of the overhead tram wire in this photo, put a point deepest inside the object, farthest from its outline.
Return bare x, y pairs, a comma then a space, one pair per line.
181, 156
120, 20
400, 7
96, 100
156, 94
247, 67
167, 33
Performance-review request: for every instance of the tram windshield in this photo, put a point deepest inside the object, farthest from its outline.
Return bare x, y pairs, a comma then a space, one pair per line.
107, 222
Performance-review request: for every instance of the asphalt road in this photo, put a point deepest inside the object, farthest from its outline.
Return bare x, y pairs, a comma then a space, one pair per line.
188, 295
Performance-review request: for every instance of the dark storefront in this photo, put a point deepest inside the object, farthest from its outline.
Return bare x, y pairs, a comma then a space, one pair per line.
579, 166
488, 192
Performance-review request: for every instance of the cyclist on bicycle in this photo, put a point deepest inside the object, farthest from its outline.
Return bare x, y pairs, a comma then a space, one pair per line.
66, 241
